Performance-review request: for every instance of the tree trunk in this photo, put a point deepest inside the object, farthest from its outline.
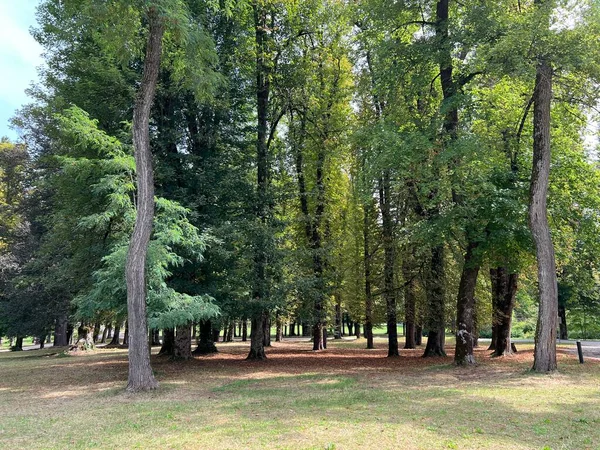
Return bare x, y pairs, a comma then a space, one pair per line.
257, 348
368, 294
206, 344
96, 332
357, 330
104, 334
267, 330
110, 329
409, 305
244, 330
389, 292
126, 335
60, 332
292, 329
168, 344
419, 334
116, 339
279, 328
436, 312
338, 317
18, 344
141, 377
465, 305
230, 331
562, 315
504, 289
350, 328
155, 336
42, 341
183, 342
545, 336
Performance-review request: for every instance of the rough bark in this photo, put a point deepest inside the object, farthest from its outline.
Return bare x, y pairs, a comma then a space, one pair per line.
465, 306
183, 342
436, 312
257, 348
267, 331
545, 336
141, 377
278, 329
60, 332
206, 344
338, 318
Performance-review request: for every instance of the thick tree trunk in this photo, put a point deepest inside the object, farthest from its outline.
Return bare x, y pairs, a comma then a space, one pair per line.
206, 344
419, 334
244, 330
292, 329
18, 344
141, 377
183, 342
60, 332
545, 336
230, 331
465, 306
504, 289
168, 342
436, 311
257, 348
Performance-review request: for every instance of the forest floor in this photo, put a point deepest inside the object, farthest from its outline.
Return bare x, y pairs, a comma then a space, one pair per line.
344, 398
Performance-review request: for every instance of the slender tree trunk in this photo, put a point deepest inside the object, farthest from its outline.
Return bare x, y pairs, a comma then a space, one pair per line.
465, 306
126, 335
263, 207
357, 330
338, 318
562, 314
206, 344
244, 330
18, 344
141, 377
389, 292
545, 336
279, 328
292, 329
110, 330
183, 342
155, 336
409, 305
368, 294
436, 311
419, 334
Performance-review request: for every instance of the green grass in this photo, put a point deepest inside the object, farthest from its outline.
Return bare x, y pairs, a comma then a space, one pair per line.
344, 397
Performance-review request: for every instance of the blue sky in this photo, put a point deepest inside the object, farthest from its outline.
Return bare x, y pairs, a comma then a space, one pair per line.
19, 58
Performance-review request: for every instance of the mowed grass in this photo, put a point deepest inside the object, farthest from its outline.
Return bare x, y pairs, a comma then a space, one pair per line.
343, 398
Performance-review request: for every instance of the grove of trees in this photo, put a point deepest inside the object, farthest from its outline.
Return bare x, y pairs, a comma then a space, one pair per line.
192, 166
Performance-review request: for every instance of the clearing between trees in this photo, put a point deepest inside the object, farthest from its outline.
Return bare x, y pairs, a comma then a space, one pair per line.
344, 397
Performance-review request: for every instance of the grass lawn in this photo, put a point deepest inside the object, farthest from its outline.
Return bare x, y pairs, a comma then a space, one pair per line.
342, 398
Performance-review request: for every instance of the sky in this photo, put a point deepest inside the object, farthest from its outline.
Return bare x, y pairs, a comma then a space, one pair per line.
20, 55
